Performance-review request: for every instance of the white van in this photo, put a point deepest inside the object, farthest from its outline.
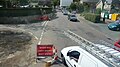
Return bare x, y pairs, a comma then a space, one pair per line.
75, 56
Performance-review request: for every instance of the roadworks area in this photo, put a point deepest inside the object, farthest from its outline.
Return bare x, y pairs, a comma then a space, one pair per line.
15, 48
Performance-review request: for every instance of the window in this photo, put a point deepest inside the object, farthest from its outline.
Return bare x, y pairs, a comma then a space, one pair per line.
74, 55
73, 16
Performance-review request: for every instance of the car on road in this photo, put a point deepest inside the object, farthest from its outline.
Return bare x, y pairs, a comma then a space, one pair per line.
117, 45
114, 26
73, 12
1, 6
65, 12
72, 17
24, 6
74, 56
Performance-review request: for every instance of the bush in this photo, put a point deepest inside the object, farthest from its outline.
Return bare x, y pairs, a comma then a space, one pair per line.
98, 11
92, 17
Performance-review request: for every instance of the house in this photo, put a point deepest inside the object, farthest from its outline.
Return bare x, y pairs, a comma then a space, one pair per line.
111, 6
104, 4
90, 3
100, 4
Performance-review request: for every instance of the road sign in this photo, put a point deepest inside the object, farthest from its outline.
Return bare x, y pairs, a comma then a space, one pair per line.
45, 50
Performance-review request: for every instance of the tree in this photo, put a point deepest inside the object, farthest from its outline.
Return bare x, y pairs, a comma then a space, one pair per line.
77, 6
23, 2
55, 2
86, 7
9, 3
80, 8
6, 3
73, 6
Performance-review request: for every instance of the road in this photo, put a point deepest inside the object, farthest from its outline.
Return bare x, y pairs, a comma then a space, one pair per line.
54, 32
51, 32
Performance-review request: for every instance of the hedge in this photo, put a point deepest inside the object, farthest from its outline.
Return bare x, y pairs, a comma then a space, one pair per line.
92, 17
15, 12
98, 11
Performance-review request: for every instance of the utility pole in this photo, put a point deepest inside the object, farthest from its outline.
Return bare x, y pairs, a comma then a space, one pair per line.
103, 1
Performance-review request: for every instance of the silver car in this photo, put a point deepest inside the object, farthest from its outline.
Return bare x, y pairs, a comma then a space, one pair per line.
72, 17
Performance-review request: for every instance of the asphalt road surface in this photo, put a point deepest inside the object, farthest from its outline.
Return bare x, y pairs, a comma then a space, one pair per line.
51, 32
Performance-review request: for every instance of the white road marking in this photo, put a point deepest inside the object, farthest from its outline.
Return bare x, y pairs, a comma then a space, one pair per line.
43, 23
33, 35
40, 39
36, 37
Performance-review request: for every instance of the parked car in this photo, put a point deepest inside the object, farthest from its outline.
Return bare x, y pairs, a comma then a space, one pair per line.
24, 6
117, 45
74, 12
72, 17
1, 6
114, 26
74, 56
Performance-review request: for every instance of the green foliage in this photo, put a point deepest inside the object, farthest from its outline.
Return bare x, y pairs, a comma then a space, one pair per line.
86, 7
5, 4
83, 14
98, 11
55, 2
80, 8
73, 6
92, 17
23, 2
9, 3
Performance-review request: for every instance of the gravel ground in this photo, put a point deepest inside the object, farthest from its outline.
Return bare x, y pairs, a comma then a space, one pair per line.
12, 42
